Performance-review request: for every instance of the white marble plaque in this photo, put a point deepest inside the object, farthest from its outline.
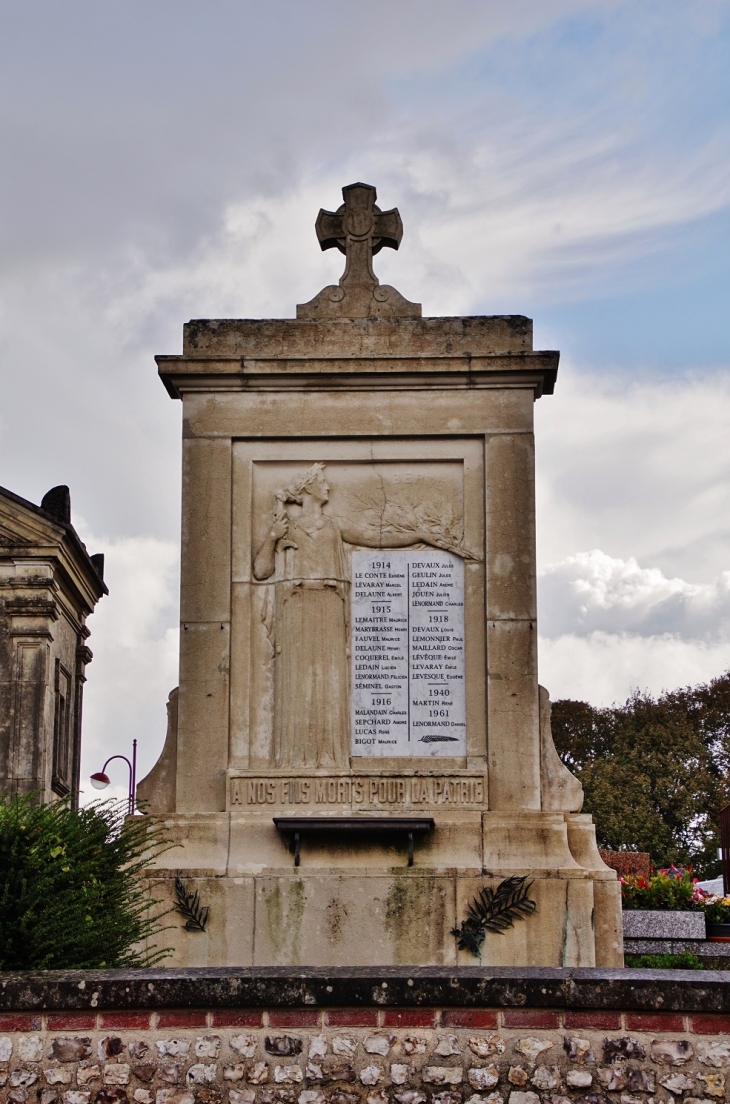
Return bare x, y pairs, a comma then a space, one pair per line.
408, 692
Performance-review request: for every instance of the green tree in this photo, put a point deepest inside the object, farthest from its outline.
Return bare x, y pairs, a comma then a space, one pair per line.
654, 770
71, 895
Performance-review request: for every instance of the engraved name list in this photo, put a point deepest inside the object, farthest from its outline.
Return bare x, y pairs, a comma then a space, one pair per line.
408, 692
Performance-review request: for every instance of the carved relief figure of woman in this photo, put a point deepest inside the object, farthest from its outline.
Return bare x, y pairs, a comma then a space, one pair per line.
306, 556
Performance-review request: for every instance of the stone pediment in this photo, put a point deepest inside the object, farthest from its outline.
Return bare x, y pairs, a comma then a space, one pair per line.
29, 530
9, 539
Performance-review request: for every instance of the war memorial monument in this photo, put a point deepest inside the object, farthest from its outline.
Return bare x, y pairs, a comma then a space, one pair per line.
359, 743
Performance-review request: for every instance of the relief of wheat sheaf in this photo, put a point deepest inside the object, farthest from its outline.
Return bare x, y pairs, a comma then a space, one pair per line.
417, 506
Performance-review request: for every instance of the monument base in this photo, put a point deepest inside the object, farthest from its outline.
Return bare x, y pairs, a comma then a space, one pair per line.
355, 901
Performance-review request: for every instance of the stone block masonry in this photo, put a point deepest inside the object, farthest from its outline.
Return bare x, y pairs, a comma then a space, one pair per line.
202, 1037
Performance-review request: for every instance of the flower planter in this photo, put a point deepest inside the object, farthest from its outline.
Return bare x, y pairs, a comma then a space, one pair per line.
718, 933
664, 924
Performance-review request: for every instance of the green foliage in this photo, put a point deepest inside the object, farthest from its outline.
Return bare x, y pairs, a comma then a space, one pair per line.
71, 895
494, 910
655, 772
661, 891
684, 961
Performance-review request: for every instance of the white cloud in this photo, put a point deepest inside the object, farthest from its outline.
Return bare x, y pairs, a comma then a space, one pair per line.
134, 638
636, 467
590, 591
604, 668
633, 481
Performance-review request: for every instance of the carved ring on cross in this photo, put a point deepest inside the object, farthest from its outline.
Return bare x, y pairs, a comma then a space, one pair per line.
359, 224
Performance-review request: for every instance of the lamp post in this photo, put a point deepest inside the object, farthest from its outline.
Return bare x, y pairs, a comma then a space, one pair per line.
101, 779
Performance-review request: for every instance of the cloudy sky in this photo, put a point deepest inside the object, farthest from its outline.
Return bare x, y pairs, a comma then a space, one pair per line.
565, 159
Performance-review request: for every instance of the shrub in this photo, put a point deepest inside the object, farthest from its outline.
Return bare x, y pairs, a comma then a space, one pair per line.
71, 895
684, 961
674, 888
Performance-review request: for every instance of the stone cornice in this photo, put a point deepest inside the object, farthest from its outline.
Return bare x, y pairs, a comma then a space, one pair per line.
536, 371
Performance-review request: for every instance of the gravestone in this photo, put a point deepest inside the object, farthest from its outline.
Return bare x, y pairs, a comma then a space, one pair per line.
359, 744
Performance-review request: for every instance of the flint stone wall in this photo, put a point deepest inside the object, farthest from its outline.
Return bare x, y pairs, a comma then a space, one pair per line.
410, 1056
377, 1053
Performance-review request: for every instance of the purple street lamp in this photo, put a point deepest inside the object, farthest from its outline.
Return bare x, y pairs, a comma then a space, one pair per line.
101, 780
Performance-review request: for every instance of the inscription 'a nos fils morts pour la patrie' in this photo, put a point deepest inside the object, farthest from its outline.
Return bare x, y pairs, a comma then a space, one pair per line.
363, 791
408, 693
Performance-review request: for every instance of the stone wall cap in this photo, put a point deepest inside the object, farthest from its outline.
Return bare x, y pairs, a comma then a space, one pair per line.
363, 336
362, 987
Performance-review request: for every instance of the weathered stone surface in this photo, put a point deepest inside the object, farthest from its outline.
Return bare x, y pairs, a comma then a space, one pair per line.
245, 1045
714, 1052
59, 1075
116, 1073
622, 1048
207, 1046
277, 987
677, 1083
258, 1074
485, 1046
111, 1095
640, 1080
318, 1046
546, 1077
613, 1079
283, 1045
531, 1048
578, 1050
379, 1044
372, 1075
447, 1045
71, 1050
523, 1098
170, 1073
578, 1079
49, 585
145, 1071
400, 1072
30, 1048
663, 924
483, 1077
714, 1083
671, 1052
88, 1071
22, 1078
443, 1075
173, 1046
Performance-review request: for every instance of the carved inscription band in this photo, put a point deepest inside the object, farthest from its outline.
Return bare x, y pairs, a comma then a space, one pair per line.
364, 791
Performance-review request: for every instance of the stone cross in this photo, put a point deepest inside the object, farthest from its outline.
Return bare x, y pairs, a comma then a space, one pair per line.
359, 229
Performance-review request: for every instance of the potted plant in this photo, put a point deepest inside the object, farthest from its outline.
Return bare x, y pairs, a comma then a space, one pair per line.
667, 905
717, 918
